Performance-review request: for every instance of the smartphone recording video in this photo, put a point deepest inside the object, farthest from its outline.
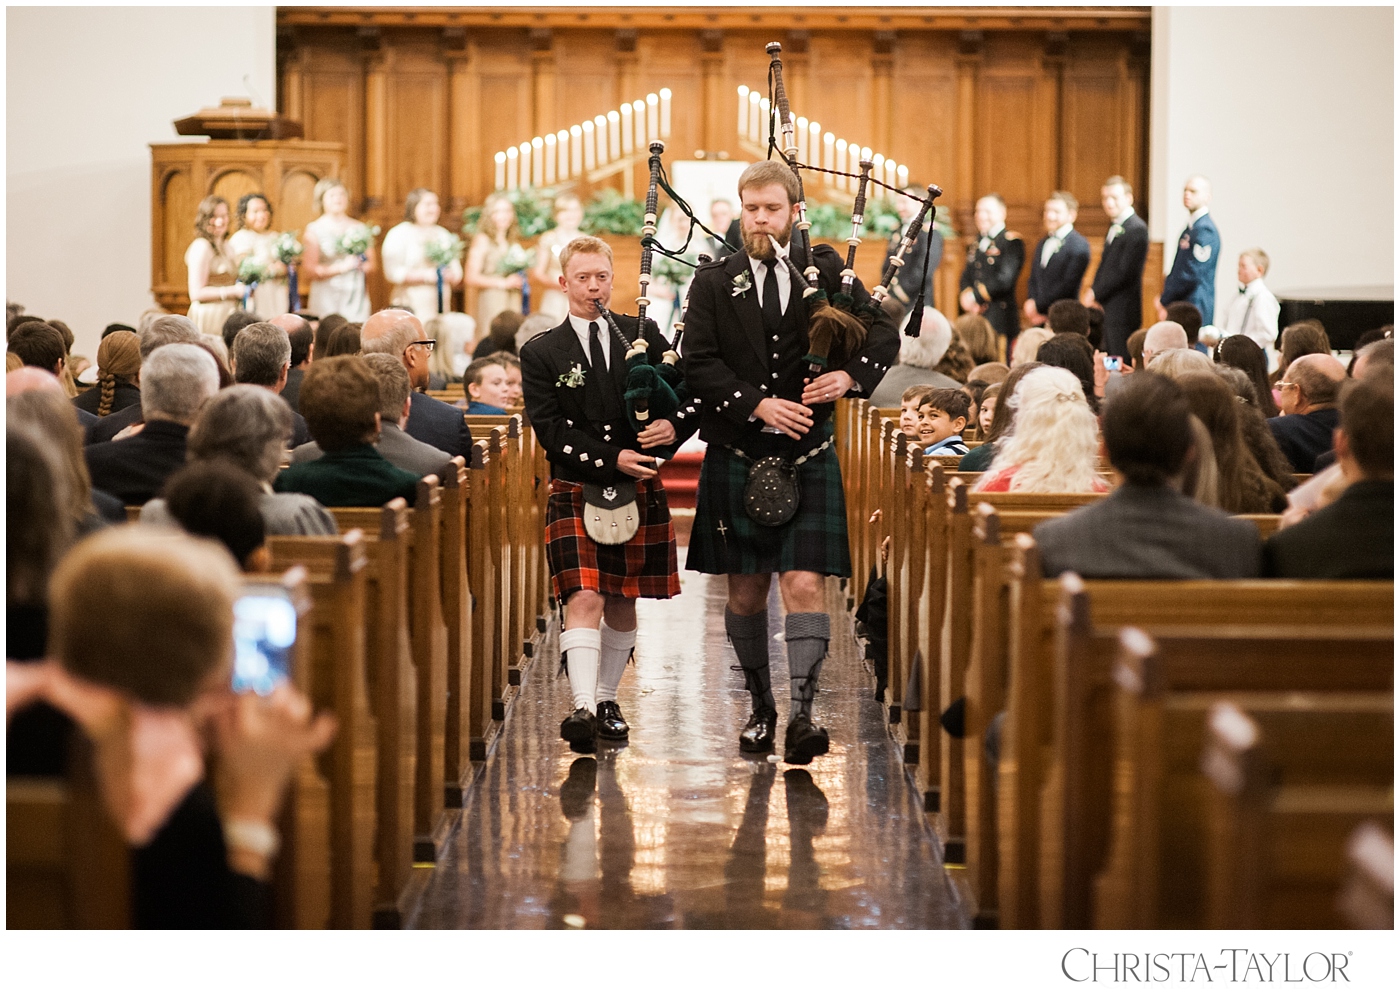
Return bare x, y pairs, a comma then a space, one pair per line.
1113, 364
264, 630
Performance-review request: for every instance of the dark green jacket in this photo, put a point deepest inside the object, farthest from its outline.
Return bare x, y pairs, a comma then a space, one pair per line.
358, 476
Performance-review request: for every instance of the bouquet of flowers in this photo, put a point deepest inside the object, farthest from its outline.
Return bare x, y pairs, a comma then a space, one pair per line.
250, 271
516, 260
442, 252
358, 240
673, 271
286, 248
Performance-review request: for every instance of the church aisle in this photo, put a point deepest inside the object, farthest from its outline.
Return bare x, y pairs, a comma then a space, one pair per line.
677, 830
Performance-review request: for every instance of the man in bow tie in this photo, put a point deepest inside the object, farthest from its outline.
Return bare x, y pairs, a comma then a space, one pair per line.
1254, 310
1117, 287
1059, 260
1192, 277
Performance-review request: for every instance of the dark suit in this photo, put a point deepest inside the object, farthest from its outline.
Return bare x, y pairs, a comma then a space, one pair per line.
291, 394
1145, 532
1060, 278
1354, 537
86, 419
440, 425
135, 469
584, 428
1118, 285
992, 274
109, 426
125, 394
356, 476
1193, 269
906, 284
1304, 438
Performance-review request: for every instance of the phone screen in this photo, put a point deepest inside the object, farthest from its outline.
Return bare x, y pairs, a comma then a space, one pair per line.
264, 630
1113, 363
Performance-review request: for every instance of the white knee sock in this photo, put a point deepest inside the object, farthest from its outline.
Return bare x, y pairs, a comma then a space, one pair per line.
582, 647
617, 648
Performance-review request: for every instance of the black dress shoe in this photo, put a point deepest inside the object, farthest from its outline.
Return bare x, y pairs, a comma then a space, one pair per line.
580, 728
611, 724
804, 741
577, 791
758, 733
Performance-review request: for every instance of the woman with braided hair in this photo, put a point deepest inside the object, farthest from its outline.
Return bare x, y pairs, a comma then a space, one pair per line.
118, 375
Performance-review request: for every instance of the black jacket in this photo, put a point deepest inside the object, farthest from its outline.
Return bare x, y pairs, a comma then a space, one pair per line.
584, 427
1354, 537
135, 469
928, 249
992, 275
1061, 277
291, 394
1118, 285
109, 426
440, 425
1304, 438
730, 363
125, 394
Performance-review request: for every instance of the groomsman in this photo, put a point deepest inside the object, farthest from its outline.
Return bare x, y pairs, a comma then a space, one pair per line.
1193, 271
988, 285
1117, 287
1059, 260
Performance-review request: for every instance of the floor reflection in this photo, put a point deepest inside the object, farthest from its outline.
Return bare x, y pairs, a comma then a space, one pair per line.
675, 828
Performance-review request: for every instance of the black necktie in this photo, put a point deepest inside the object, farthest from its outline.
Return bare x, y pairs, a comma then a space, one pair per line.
772, 304
597, 359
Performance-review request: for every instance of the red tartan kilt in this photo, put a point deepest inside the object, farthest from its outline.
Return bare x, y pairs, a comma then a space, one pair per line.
644, 567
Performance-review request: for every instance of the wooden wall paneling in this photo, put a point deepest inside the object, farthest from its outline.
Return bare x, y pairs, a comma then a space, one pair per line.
717, 100
333, 108
591, 64
672, 60
465, 152
971, 51
843, 83
1094, 143
625, 69
925, 115
881, 129
543, 84
177, 201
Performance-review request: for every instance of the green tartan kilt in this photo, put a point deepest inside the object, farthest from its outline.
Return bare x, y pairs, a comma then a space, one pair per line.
725, 541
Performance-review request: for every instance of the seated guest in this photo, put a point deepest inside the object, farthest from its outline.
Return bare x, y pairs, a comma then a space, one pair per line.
262, 355
327, 325
1175, 363
1308, 396
1003, 419
303, 342
500, 335
1188, 316
1242, 486
1147, 528
1095, 333
47, 410
249, 428
345, 341
1135, 344
1383, 334
942, 417
40, 345
515, 383
1068, 315
399, 334
1245, 354
1055, 445
535, 324
161, 330
340, 399
215, 499
989, 373
1374, 359
118, 374
398, 447
1301, 339
1028, 344
980, 338
1071, 352
1255, 428
956, 362
1354, 536
1161, 337
918, 355
175, 381
237, 321
909, 410
987, 409
487, 390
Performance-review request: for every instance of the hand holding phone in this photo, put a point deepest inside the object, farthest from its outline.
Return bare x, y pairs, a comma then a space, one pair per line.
264, 630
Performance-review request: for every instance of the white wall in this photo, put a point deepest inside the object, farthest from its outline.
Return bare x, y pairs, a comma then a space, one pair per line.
1290, 113
87, 89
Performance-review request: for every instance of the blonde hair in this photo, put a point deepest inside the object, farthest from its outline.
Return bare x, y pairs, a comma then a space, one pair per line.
323, 187
584, 244
204, 213
1174, 363
1054, 446
486, 227
766, 172
1260, 258
1028, 344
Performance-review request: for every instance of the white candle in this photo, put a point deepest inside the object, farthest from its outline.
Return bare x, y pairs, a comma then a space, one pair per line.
575, 150
841, 162
614, 135
903, 177
852, 164
765, 121
512, 165
829, 152
890, 176
665, 113
551, 156
537, 161
563, 139
500, 170
524, 164
589, 160
743, 111
814, 137
626, 129
802, 140
639, 124
600, 136
753, 116
653, 117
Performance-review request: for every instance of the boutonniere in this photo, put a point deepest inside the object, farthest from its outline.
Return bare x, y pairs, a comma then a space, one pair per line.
742, 283
993, 251
572, 379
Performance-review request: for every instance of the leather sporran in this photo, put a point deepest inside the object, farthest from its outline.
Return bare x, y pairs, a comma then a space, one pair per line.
771, 495
610, 514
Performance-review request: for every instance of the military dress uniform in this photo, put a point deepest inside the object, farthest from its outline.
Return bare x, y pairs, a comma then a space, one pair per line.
1192, 277
993, 266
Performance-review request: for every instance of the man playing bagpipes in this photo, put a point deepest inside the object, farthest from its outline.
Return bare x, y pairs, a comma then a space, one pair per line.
767, 396
609, 536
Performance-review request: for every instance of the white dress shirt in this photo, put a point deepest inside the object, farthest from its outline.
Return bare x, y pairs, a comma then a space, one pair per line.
760, 274
1116, 229
585, 339
1054, 242
1254, 313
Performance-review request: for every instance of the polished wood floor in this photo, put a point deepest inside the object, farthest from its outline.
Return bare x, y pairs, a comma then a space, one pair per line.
676, 829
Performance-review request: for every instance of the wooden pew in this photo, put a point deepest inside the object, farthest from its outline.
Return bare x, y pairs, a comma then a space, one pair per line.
457, 618
1367, 900
1197, 617
1289, 782
485, 591
932, 606
337, 568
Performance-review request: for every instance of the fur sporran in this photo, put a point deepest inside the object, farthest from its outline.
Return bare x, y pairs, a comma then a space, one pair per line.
771, 496
610, 514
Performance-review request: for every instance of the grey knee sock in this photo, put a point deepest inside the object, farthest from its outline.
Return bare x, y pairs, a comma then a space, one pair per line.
807, 638
749, 635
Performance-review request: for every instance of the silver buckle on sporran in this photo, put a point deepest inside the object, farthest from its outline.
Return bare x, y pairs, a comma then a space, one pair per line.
610, 514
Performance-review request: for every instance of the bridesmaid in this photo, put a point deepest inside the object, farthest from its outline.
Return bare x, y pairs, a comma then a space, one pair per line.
568, 215
213, 276
255, 239
406, 263
496, 237
337, 278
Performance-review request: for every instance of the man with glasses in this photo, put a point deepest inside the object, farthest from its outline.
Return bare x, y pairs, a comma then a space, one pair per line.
1308, 397
438, 424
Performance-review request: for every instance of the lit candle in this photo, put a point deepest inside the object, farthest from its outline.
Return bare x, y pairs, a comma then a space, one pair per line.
600, 135
589, 162
852, 164
563, 138
614, 135
575, 150
665, 113
802, 140
814, 138
500, 170
765, 121
653, 120
879, 174
829, 151
841, 162
743, 111
626, 129
524, 164
890, 177
903, 173
512, 165
753, 116
639, 123
551, 154
537, 161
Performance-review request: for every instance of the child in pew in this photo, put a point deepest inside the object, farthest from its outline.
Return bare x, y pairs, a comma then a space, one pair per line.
909, 404
1055, 445
942, 416
987, 409
488, 387
218, 500
515, 391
